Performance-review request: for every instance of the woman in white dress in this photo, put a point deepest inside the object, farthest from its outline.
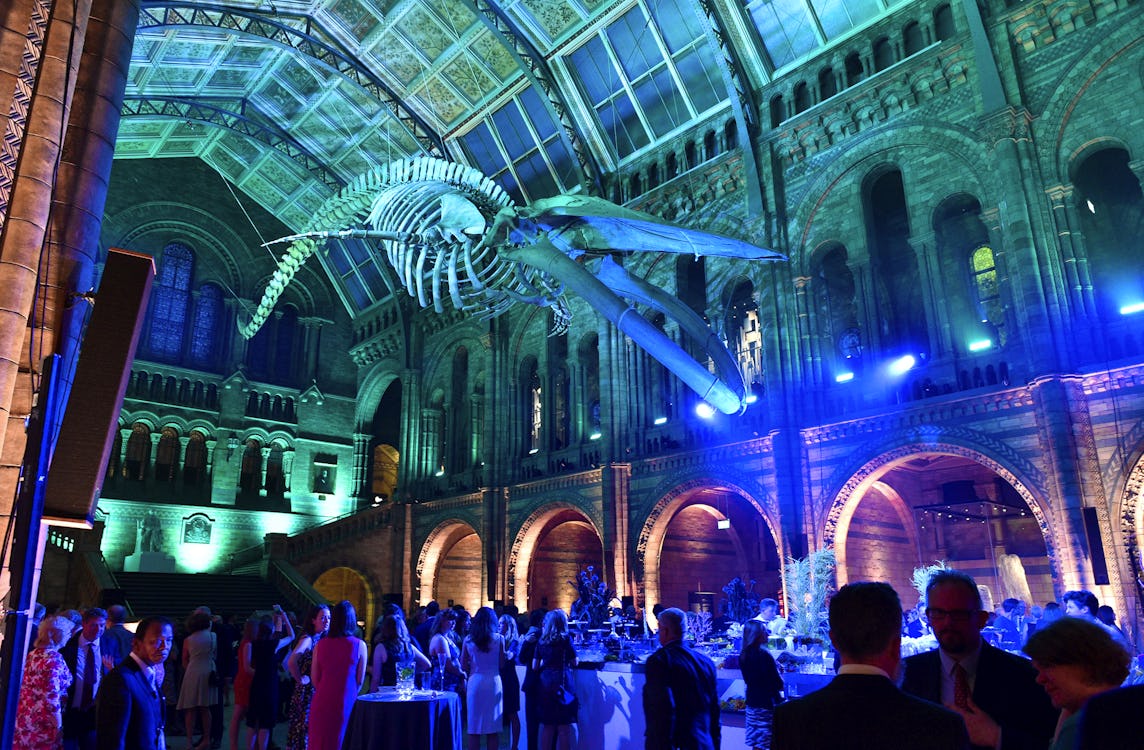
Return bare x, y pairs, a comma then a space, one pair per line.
482, 657
197, 693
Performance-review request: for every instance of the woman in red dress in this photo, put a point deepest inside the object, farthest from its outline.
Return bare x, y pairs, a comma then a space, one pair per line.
39, 714
242, 681
337, 673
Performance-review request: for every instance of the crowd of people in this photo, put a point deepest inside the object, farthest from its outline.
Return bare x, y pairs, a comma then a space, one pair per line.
92, 684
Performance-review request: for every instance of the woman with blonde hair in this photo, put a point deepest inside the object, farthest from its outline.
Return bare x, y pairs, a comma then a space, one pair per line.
554, 660
39, 714
509, 679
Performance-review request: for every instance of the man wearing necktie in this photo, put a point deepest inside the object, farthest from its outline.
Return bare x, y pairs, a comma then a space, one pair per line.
130, 711
89, 655
994, 691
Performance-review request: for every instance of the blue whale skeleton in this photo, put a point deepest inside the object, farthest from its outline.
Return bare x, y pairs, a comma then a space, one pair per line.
450, 232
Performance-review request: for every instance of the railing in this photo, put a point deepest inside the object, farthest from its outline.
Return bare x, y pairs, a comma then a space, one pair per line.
298, 591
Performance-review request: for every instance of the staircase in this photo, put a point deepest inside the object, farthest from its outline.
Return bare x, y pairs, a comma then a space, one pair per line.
176, 594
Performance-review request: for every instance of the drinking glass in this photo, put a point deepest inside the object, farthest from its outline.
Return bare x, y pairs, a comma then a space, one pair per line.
405, 672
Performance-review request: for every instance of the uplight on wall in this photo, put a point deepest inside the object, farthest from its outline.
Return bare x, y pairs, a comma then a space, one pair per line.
1135, 307
902, 365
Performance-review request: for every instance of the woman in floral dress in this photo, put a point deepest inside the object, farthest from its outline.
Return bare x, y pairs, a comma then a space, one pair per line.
39, 715
316, 625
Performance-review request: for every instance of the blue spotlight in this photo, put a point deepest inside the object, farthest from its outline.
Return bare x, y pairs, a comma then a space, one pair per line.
659, 420
902, 365
751, 398
595, 435
980, 345
843, 377
705, 410
1135, 307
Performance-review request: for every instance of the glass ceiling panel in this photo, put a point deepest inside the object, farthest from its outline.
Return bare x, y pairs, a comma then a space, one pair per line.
648, 72
792, 29
353, 262
520, 147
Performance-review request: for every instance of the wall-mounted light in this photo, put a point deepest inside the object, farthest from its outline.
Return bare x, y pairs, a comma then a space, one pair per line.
1135, 307
980, 345
843, 377
595, 436
231, 446
659, 420
723, 523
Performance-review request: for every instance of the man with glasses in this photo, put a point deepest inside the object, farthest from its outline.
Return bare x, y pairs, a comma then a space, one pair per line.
994, 691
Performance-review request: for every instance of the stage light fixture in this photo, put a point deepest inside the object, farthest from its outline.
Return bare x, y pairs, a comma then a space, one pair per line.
1135, 307
705, 410
660, 420
980, 345
751, 398
843, 377
902, 365
595, 436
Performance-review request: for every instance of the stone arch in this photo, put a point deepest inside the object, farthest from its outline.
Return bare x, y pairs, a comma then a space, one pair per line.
433, 550
345, 581
845, 501
958, 144
527, 538
654, 529
1128, 510
901, 510
1089, 69
372, 389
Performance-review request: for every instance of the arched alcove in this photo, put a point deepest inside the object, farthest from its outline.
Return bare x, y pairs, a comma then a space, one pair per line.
343, 583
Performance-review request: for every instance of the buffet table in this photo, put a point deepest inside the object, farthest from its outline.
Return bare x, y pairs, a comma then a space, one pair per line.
382, 721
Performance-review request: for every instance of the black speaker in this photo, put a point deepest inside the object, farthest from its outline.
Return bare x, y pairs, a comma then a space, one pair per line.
91, 416
1095, 547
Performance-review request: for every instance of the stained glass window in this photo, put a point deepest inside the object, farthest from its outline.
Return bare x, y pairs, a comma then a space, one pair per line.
170, 297
984, 270
205, 325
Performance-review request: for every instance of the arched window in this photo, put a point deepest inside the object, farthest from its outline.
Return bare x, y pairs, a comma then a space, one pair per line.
855, 71
459, 434
802, 97
900, 309
206, 325
912, 38
558, 369
731, 134
832, 283
138, 453
286, 335
827, 84
275, 476
195, 460
883, 54
170, 297
167, 456
1111, 207
744, 334
983, 268
778, 110
250, 476
943, 22
533, 405
589, 355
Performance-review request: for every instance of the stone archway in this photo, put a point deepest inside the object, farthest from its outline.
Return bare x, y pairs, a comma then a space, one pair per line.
451, 567
917, 504
750, 547
552, 545
344, 583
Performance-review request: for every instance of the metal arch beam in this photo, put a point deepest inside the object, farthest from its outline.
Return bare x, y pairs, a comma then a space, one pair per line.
535, 68
314, 42
743, 102
185, 108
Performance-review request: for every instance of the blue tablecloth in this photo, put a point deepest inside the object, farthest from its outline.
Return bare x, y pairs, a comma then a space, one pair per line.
380, 721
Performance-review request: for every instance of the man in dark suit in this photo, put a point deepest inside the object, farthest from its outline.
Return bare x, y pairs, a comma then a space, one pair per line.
995, 692
130, 710
680, 698
1111, 721
90, 655
861, 707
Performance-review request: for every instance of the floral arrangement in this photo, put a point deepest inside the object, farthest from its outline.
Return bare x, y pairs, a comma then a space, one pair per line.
742, 601
698, 625
594, 598
808, 583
